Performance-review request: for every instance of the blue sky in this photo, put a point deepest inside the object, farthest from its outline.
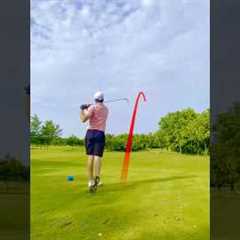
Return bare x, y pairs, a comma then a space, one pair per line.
120, 47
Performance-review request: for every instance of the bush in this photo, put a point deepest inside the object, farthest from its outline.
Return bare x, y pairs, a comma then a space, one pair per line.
140, 142
185, 131
74, 141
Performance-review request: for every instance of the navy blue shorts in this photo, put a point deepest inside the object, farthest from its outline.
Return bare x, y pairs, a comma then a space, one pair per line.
95, 142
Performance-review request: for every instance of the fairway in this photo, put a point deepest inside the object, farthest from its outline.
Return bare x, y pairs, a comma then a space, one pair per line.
166, 197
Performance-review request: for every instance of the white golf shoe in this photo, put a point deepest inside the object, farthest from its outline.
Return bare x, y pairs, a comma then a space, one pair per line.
91, 186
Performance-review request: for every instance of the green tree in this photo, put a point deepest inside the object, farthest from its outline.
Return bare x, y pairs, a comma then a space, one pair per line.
160, 140
35, 129
50, 131
196, 134
172, 127
185, 131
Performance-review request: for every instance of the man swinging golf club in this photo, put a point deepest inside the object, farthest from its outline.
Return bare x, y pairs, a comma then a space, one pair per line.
96, 115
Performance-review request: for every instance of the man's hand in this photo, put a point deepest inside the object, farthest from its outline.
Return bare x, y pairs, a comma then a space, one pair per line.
85, 106
84, 113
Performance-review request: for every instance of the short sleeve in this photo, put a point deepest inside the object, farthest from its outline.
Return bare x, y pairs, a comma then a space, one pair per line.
90, 111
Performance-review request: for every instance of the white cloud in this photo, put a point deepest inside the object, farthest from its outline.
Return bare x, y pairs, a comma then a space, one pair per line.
147, 3
85, 11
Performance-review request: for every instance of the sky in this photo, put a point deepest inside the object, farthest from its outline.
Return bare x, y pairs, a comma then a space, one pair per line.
120, 47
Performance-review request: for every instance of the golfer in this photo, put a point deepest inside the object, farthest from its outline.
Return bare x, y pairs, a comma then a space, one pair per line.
96, 115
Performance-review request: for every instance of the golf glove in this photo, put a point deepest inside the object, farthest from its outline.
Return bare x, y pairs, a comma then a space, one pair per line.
85, 106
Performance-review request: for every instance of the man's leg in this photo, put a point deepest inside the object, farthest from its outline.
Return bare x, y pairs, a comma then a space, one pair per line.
98, 153
97, 169
90, 168
97, 165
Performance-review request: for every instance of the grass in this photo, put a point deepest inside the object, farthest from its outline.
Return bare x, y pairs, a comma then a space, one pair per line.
166, 197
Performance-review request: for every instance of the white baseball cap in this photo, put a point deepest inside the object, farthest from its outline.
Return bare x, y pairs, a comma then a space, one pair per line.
99, 96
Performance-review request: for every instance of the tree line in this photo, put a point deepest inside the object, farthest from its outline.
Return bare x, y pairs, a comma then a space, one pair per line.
185, 131
49, 133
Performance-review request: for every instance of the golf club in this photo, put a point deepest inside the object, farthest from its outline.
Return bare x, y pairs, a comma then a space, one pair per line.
85, 106
117, 100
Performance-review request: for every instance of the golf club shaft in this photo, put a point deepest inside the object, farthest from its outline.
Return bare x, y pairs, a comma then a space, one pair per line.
116, 100
111, 101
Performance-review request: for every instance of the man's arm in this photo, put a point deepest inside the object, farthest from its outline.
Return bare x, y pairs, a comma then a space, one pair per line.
84, 115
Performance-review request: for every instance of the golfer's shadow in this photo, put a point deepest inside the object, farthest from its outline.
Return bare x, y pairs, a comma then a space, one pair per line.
130, 185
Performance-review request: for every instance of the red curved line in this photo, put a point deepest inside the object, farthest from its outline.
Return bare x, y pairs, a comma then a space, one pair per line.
130, 138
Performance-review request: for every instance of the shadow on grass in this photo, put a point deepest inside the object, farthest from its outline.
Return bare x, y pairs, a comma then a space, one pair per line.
115, 187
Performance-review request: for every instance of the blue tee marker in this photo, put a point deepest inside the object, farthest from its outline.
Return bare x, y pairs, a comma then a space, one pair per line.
70, 178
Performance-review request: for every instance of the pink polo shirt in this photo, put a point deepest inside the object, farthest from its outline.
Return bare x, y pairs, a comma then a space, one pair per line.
98, 114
